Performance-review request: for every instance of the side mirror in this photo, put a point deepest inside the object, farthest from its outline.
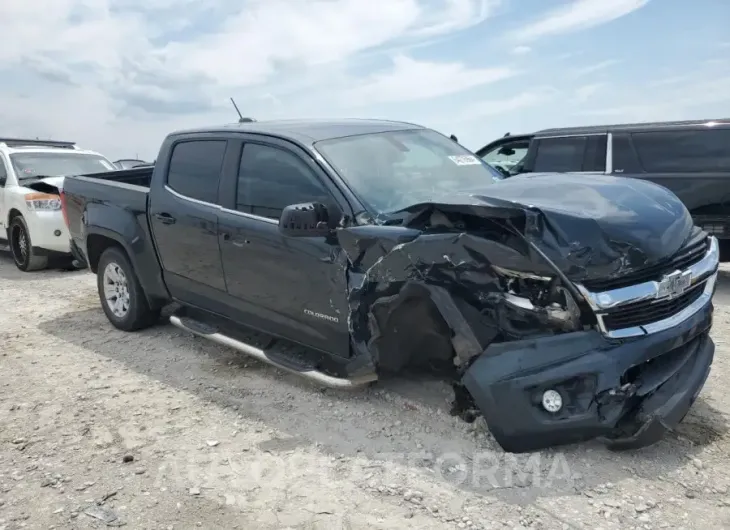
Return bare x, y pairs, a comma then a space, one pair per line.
309, 219
3, 180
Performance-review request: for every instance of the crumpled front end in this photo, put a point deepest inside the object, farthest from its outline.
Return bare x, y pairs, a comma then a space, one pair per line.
628, 381
627, 392
467, 287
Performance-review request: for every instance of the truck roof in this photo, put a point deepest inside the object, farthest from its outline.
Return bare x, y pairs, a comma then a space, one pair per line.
309, 131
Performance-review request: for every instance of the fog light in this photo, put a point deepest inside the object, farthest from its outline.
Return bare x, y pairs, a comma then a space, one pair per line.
56, 233
552, 401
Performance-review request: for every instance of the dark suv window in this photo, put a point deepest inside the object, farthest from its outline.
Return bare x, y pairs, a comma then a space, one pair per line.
269, 179
195, 169
560, 154
677, 151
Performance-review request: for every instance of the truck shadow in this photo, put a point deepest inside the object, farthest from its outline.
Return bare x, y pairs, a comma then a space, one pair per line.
10, 273
393, 424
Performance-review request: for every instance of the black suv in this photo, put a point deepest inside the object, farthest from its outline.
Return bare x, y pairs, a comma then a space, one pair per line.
691, 158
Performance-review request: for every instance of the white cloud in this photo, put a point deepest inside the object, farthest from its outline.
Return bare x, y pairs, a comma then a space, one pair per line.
585, 92
577, 15
521, 50
699, 96
456, 15
493, 107
250, 45
119, 74
593, 68
413, 80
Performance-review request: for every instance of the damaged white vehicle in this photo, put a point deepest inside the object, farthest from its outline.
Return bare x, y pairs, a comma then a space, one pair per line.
31, 173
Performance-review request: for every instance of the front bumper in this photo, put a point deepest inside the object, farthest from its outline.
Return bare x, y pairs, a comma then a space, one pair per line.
628, 392
48, 232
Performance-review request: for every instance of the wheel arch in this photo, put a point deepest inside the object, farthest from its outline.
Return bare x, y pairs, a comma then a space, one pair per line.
12, 214
98, 242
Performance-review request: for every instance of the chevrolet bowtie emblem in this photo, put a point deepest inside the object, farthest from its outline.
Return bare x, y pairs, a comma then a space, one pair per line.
674, 284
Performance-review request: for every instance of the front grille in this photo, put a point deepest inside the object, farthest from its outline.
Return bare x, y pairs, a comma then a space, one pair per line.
646, 312
692, 252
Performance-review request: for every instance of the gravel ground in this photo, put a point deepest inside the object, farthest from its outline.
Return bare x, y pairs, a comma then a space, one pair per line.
160, 429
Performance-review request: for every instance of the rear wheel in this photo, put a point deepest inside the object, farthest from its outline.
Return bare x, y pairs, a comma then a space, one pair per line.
121, 295
22, 248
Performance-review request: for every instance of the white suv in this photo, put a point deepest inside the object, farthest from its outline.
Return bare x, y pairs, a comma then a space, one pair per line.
31, 175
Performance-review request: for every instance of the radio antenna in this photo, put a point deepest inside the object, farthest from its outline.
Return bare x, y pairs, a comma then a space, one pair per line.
240, 116
241, 119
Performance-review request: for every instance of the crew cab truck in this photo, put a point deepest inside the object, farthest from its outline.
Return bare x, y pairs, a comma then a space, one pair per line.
561, 309
31, 172
691, 158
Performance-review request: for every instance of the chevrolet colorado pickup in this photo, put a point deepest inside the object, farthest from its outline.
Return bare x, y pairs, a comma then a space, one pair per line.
561, 309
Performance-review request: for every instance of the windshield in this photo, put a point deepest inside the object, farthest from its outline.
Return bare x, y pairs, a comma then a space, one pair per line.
393, 170
29, 165
508, 156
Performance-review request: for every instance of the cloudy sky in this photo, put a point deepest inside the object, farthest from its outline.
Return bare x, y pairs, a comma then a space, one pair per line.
117, 75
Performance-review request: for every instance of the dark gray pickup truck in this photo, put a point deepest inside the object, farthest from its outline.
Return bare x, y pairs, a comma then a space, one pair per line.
562, 309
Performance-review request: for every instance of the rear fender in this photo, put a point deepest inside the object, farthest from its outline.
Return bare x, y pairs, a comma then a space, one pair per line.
121, 227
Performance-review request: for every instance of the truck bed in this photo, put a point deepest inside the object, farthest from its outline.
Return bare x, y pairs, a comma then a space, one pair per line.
88, 197
139, 176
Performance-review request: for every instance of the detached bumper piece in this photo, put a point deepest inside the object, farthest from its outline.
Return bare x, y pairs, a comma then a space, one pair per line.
626, 392
78, 255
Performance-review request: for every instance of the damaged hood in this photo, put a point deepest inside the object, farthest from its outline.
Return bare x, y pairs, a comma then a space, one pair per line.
53, 181
591, 227
43, 184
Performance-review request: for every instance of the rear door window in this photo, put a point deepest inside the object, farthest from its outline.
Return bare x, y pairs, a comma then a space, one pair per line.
703, 151
195, 169
560, 155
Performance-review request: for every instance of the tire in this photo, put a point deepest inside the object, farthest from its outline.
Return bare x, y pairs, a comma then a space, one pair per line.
120, 293
22, 248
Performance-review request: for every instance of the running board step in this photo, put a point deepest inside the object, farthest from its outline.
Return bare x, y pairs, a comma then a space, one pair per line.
283, 361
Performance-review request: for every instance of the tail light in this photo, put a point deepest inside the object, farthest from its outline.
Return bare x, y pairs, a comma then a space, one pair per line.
63, 208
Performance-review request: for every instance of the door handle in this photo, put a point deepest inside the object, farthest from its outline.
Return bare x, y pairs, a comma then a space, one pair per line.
165, 218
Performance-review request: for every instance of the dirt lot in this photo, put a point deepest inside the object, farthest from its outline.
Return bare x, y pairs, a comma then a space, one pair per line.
220, 441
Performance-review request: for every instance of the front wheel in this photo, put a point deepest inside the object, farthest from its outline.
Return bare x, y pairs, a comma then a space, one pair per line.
121, 295
22, 248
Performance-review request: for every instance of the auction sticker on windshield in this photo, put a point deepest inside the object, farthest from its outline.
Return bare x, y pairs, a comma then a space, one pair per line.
465, 160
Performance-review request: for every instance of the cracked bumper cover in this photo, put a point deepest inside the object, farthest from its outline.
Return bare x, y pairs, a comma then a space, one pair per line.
627, 392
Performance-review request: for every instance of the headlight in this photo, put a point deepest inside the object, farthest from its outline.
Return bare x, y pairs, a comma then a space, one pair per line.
43, 202
541, 295
521, 275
